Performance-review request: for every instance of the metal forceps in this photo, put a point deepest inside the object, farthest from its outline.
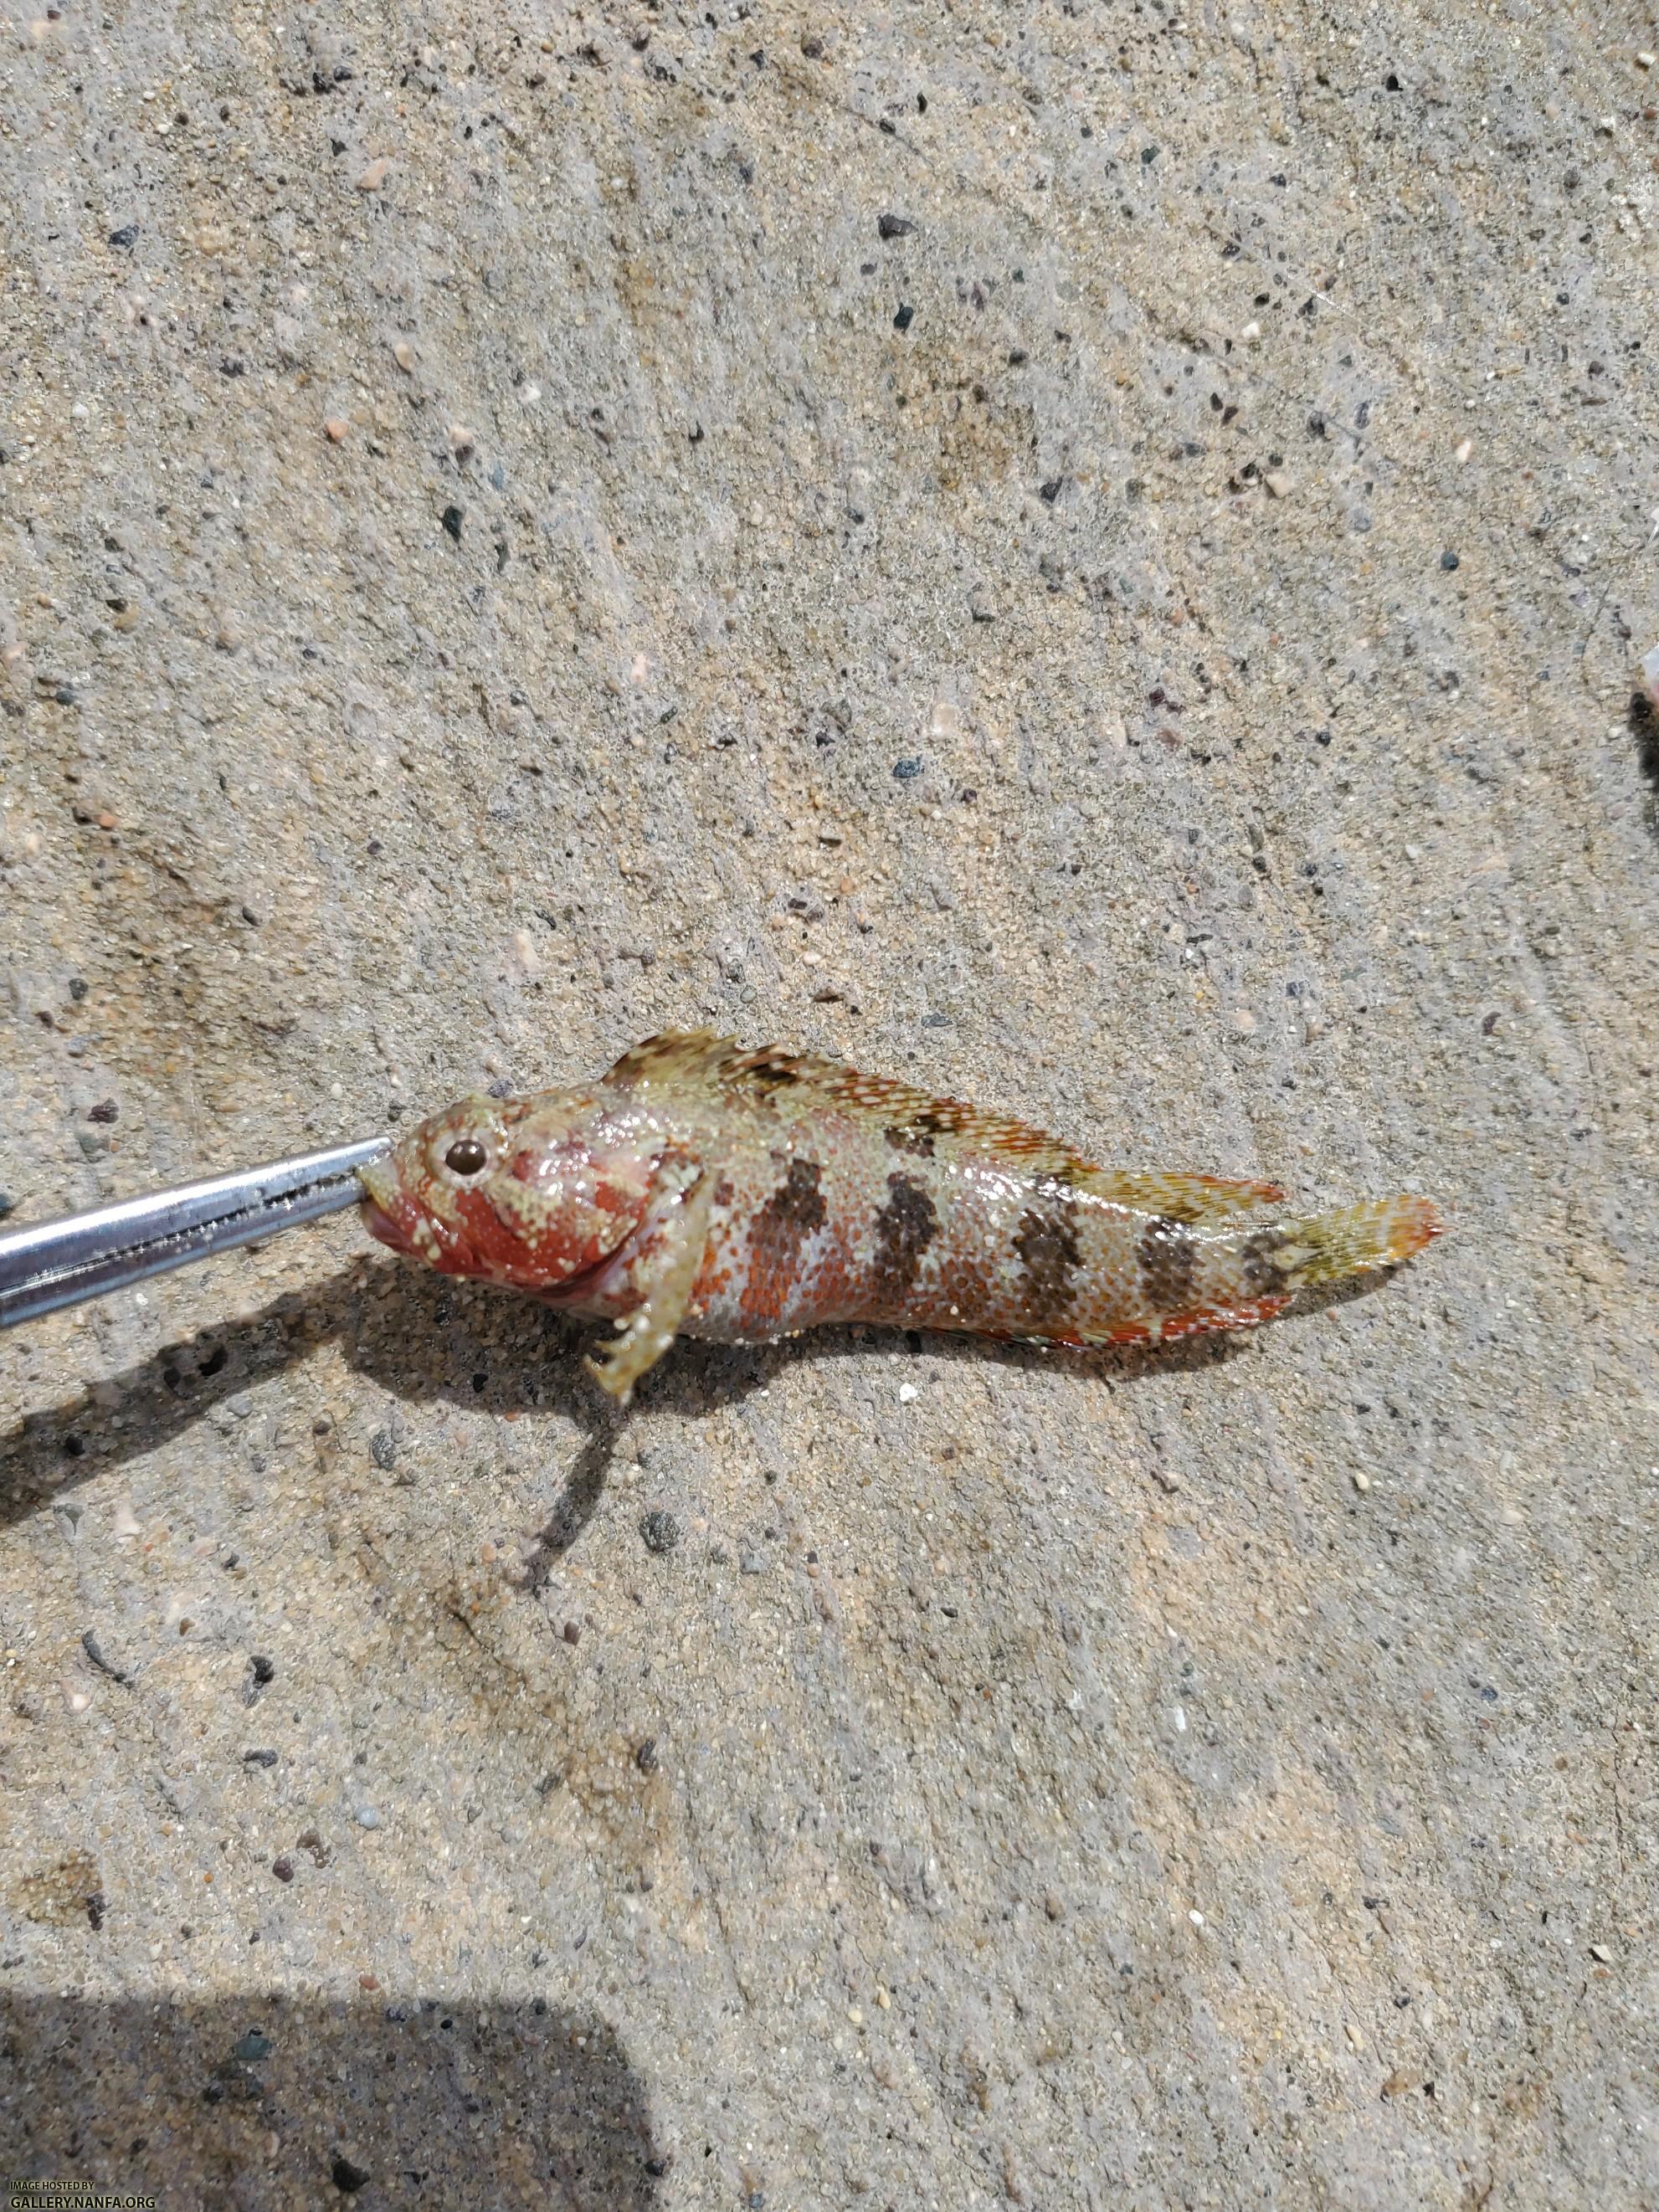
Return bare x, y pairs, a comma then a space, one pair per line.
110, 1248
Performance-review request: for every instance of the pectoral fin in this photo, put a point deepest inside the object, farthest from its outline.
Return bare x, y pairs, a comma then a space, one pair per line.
673, 1239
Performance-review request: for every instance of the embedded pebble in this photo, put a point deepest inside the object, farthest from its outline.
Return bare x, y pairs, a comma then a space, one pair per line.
661, 1531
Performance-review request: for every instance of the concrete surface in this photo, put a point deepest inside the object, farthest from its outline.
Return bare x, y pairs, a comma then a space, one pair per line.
1176, 685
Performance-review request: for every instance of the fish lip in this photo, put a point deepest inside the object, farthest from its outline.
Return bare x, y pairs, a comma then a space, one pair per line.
383, 1226
385, 1211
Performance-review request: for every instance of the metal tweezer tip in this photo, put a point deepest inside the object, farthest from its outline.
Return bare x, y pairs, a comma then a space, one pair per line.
84, 1255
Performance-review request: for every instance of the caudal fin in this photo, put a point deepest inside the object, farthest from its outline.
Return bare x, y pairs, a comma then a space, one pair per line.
1353, 1240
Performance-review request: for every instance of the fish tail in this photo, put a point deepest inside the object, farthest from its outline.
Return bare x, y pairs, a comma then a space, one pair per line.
1350, 1240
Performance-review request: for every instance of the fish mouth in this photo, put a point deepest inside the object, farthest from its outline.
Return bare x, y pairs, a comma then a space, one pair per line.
385, 1211
382, 1226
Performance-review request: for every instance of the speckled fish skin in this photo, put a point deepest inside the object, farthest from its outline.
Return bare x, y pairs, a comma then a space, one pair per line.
701, 1189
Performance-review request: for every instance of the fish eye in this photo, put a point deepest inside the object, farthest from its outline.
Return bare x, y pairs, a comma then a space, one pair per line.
467, 1157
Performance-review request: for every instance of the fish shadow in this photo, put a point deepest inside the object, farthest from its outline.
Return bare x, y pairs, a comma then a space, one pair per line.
425, 1337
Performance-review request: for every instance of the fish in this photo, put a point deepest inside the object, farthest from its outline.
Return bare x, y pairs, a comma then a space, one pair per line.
701, 1189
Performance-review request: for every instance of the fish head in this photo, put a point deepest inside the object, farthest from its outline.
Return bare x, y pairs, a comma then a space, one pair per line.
533, 1192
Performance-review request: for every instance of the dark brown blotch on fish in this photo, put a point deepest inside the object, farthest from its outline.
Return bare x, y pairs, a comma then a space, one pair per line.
1259, 1270
905, 1227
783, 1225
1167, 1253
797, 1204
911, 1139
1048, 1248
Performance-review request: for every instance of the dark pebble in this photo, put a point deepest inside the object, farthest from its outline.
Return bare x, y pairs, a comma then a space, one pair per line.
452, 522
1448, 560
1322, 737
265, 1670
383, 1448
106, 1110
572, 1632
259, 1759
661, 1531
646, 1757
907, 771
905, 317
1051, 490
253, 2047
78, 988
893, 226
347, 2179
127, 235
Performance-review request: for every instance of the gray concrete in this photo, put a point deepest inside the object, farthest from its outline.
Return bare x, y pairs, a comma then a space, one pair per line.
1226, 1779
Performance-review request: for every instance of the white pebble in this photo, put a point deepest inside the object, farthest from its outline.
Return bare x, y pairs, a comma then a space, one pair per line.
1197, 1919
1362, 1483
907, 1393
1462, 451
1250, 332
367, 1817
375, 175
1600, 1951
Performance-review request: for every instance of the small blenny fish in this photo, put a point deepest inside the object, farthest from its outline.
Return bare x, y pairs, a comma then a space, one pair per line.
702, 1189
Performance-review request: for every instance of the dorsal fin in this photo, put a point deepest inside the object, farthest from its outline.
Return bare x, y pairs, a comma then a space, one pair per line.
915, 1121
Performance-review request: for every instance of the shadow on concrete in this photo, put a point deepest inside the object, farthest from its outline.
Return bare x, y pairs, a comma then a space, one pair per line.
1645, 728
267, 2102
424, 1337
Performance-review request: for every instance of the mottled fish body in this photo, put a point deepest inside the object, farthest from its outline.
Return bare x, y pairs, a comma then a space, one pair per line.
701, 1189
